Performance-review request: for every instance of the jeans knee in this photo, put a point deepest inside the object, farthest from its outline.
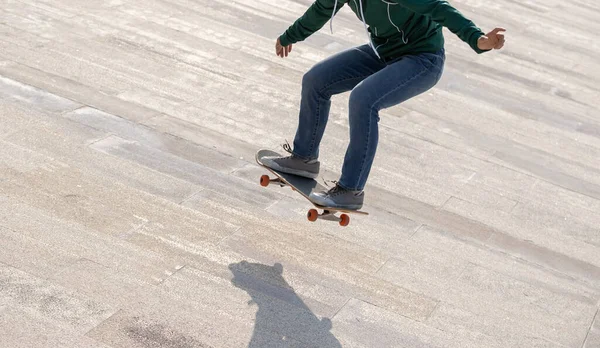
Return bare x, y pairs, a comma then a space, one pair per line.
311, 81
361, 101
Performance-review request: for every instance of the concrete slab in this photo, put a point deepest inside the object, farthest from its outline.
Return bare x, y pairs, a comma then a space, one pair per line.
131, 215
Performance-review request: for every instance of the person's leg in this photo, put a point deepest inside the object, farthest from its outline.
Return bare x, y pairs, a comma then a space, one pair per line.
337, 74
399, 81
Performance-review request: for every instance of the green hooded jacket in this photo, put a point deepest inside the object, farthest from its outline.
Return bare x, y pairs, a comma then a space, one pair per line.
395, 27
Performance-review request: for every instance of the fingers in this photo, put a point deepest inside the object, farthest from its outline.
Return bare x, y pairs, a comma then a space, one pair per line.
497, 36
496, 31
282, 51
279, 49
499, 41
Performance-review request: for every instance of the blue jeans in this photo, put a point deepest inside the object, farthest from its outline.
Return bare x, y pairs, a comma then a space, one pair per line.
375, 85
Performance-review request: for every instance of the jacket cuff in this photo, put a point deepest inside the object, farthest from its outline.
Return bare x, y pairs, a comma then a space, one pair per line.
473, 42
284, 40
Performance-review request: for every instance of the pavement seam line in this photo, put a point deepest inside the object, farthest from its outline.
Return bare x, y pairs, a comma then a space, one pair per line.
590, 328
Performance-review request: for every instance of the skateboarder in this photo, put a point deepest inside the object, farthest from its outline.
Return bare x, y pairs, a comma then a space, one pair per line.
404, 57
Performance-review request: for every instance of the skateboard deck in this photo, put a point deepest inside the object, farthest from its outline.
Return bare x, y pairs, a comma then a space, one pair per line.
304, 186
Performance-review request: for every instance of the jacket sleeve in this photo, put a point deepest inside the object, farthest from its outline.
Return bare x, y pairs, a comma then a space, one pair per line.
313, 19
443, 13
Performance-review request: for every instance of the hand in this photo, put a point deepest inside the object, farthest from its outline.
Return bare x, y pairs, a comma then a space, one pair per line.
282, 51
492, 40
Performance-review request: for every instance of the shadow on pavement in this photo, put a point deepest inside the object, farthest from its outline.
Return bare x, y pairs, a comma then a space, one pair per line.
282, 318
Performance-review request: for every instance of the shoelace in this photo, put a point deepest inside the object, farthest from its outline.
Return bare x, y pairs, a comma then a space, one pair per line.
335, 190
287, 147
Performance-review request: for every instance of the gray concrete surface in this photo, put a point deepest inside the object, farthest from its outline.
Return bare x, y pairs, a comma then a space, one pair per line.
131, 215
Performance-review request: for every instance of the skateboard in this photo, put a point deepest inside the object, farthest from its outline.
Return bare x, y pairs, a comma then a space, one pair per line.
304, 186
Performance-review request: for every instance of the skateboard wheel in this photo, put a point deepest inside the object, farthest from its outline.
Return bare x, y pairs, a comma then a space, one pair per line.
312, 215
344, 220
264, 180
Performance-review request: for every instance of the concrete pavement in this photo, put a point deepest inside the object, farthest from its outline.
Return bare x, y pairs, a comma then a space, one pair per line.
131, 215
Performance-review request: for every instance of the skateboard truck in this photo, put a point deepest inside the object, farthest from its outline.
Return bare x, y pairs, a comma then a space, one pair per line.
265, 180
313, 215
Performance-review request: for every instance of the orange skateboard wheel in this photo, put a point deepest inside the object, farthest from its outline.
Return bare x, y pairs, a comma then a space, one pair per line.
264, 180
312, 215
344, 220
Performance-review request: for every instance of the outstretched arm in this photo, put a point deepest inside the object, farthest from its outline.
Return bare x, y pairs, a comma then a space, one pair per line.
443, 13
313, 19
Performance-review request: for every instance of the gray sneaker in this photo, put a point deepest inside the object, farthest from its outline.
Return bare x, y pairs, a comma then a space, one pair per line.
338, 197
293, 165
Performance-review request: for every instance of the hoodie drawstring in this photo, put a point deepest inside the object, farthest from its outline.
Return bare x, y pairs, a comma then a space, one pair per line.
362, 18
390, 19
332, 15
